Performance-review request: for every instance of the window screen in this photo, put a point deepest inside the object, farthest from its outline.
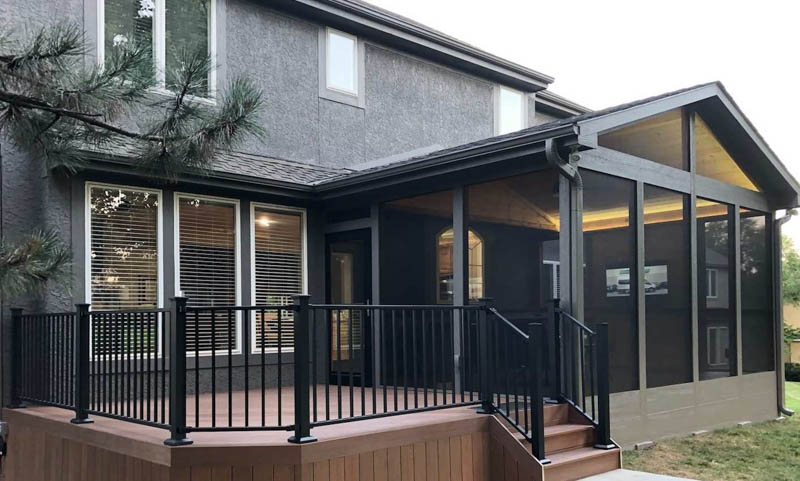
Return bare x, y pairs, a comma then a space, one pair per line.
208, 265
278, 245
124, 248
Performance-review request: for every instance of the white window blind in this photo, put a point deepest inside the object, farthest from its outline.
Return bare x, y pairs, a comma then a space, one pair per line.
124, 248
208, 270
278, 246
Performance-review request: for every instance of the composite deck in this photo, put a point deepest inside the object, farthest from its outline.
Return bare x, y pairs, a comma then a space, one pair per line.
453, 444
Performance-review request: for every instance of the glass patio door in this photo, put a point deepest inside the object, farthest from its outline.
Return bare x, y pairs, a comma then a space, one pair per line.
348, 260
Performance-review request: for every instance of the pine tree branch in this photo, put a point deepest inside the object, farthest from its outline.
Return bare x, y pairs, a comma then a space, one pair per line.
88, 118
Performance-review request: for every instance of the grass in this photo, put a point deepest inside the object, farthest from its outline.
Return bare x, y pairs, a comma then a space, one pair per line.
769, 450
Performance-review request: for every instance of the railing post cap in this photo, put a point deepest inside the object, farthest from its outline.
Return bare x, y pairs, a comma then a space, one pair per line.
15, 310
486, 300
302, 298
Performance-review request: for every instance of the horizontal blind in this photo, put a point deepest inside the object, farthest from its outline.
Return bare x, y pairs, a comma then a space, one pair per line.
208, 270
279, 254
123, 262
124, 248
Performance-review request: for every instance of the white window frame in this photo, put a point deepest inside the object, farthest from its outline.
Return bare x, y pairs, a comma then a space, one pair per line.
356, 60
709, 290
254, 349
238, 255
87, 254
88, 236
556, 266
159, 44
498, 106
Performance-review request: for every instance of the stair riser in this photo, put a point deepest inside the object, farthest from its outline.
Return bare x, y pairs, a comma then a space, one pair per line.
555, 415
563, 441
581, 469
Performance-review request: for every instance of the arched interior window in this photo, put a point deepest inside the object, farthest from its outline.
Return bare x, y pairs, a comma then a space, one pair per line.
444, 266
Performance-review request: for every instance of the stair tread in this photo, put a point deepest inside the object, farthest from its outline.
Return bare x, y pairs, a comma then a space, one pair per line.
578, 454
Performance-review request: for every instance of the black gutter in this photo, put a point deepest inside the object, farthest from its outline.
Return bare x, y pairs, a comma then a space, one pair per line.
469, 156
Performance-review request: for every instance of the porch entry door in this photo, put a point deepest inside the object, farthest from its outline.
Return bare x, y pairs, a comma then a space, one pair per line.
349, 269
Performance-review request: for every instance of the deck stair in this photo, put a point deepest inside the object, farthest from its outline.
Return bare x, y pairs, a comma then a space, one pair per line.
569, 445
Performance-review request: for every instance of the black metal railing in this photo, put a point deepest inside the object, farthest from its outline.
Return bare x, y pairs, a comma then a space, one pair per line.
581, 371
294, 367
392, 359
43, 367
127, 364
514, 360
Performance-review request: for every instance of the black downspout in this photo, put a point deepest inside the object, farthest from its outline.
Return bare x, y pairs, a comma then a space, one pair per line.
777, 261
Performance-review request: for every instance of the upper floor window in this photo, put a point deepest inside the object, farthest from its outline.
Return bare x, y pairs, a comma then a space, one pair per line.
510, 111
167, 27
341, 62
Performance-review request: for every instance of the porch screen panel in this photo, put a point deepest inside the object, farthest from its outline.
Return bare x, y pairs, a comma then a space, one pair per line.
124, 248
758, 341
278, 267
667, 285
716, 293
208, 267
609, 243
515, 217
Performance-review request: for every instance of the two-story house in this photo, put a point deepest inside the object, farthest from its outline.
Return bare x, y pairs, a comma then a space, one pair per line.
432, 200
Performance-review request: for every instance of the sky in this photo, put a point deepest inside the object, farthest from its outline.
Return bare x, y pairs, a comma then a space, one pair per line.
604, 53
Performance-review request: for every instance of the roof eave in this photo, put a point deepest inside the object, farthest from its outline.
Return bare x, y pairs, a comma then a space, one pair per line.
435, 165
406, 35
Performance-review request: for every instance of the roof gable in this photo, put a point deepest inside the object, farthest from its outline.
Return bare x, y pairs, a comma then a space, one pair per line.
735, 134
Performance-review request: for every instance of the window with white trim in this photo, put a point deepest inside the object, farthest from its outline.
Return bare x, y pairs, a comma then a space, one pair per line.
208, 270
510, 111
123, 247
278, 273
341, 62
167, 27
711, 279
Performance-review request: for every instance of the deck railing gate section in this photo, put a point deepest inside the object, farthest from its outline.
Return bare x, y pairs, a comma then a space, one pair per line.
186, 369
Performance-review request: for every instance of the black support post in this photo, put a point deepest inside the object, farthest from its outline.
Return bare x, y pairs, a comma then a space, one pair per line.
555, 313
81, 360
302, 361
603, 404
535, 347
16, 360
484, 317
177, 374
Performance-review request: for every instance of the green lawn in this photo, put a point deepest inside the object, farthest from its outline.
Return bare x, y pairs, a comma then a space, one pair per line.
766, 451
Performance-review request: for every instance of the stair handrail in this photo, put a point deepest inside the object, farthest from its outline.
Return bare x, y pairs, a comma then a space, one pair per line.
532, 396
566, 349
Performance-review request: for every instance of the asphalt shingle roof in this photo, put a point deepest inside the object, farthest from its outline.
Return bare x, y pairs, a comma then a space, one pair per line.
301, 173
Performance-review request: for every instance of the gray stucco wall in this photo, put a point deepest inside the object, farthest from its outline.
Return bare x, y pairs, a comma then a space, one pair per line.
409, 103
